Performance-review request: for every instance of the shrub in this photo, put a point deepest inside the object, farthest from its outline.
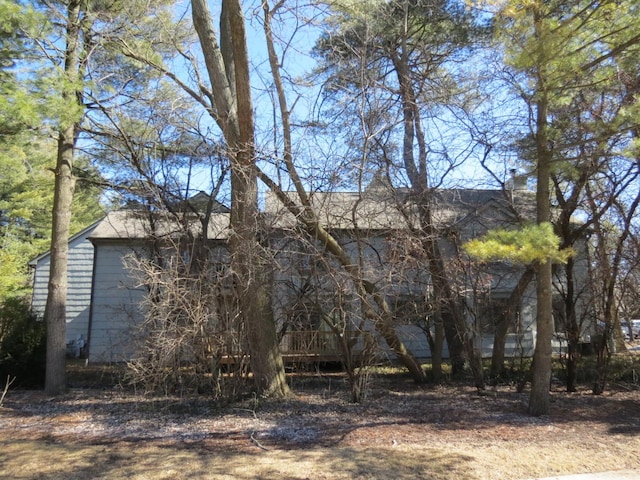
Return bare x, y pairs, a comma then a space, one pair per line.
22, 344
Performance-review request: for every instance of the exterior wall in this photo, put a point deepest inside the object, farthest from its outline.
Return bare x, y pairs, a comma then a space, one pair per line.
104, 305
116, 305
80, 268
287, 279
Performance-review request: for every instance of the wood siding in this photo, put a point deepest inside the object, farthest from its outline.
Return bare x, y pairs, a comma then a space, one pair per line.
80, 268
116, 305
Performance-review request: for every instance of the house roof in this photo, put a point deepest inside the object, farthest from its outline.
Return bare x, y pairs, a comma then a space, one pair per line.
84, 231
201, 200
139, 224
382, 209
339, 210
492, 208
376, 208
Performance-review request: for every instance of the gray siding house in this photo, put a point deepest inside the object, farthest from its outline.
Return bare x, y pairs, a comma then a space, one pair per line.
117, 294
105, 299
80, 274
368, 225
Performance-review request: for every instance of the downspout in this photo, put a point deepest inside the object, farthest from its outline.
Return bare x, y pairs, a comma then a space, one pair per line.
93, 289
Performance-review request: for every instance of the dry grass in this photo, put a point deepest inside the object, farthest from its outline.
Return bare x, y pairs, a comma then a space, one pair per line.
54, 459
29, 459
404, 431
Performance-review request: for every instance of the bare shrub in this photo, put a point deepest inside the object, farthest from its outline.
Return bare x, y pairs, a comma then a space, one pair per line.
323, 314
191, 338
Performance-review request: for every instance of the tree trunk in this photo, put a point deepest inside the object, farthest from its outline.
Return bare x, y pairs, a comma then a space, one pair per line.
541, 369
385, 326
56, 307
459, 340
499, 346
56, 311
446, 301
436, 351
572, 328
453, 322
502, 329
602, 343
229, 75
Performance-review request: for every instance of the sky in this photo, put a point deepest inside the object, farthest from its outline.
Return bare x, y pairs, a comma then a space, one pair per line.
299, 34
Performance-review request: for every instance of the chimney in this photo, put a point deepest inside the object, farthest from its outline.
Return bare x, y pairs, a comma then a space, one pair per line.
516, 182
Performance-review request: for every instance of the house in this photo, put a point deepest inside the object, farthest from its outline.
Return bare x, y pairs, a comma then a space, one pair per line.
371, 230
103, 299
309, 301
79, 282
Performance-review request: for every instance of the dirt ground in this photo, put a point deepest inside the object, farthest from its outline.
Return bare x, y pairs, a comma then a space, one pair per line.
401, 431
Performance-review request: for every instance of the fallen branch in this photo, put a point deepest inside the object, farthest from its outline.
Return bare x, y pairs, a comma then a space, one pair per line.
258, 444
252, 412
6, 388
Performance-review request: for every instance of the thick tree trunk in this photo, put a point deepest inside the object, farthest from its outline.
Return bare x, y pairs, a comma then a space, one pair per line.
541, 369
266, 360
56, 307
250, 269
229, 75
55, 311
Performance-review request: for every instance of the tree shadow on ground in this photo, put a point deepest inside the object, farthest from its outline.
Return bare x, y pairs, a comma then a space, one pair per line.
319, 414
31, 459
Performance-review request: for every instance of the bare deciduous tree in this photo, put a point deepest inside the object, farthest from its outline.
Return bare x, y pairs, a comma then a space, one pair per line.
228, 68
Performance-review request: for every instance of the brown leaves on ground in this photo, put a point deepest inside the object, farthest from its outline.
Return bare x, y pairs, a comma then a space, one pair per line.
401, 431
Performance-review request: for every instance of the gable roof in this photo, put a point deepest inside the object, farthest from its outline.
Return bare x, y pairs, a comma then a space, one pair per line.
134, 224
383, 209
491, 208
200, 201
81, 233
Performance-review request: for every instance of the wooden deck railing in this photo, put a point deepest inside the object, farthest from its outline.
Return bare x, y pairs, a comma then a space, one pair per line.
310, 342
305, 346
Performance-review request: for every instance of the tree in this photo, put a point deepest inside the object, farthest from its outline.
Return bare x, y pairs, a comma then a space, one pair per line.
26, 180
228, 69
70, 49
16, 243
373, 304
557, 49
55, 310
400, 49
613, 232
15, 103
26, 199
532, 246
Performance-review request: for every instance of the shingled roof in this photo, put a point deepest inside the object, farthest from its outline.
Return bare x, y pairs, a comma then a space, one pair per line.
133, 224
376, 208
382, 209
